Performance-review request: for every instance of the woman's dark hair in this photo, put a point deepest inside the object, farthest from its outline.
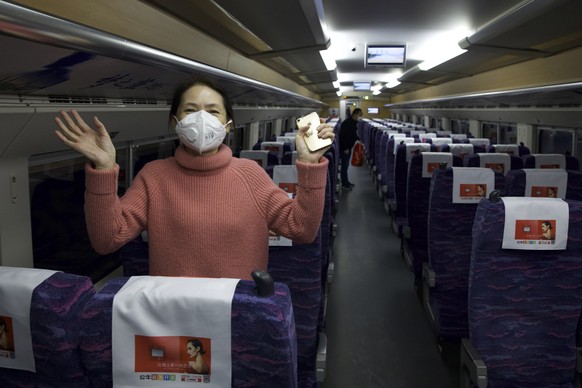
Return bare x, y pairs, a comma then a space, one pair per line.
181, 89
2, 323
548, 224
197, 344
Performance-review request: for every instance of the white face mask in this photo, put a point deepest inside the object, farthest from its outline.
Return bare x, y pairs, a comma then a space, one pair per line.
201, 131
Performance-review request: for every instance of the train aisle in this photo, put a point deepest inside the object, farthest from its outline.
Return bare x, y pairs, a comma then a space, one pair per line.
378, 334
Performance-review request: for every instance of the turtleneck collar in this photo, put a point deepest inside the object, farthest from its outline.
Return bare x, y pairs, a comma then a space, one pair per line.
206, 165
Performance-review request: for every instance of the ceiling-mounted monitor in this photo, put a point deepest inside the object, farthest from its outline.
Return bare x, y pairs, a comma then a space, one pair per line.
385, 55
362, 86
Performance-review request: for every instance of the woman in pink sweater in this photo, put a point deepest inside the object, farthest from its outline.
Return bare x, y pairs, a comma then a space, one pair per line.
207, 213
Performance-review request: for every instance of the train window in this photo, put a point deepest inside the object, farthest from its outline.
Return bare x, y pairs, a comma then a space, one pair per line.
507, 134
459, 126
435, 122
555, 141
59, 235
500, 133
490, 132
263, 133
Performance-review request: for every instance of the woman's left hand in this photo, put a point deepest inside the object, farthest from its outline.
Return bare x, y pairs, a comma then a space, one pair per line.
324, 131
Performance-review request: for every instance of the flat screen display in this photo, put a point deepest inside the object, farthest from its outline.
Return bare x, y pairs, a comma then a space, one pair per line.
362, 85
373, 111
385, 55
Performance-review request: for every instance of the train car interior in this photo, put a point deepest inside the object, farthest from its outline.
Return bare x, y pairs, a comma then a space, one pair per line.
452, 259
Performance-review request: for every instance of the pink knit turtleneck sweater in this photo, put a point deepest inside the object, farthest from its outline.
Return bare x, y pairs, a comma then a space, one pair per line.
205, 216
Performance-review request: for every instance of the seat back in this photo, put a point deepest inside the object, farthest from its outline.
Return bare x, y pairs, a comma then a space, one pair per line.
549, 161
449, 251
55, 308
393, 142
263, 347
517, 182
134, 257
403, 154
459, 151
259, 156
299, 267
420, 171
382, 158
524, 305
276, 147
572, 163
499, 161
480, 142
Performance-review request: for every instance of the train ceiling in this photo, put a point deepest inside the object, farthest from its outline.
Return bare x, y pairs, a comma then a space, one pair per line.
289, 36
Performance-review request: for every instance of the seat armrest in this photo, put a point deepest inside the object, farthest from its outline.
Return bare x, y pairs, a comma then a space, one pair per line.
579, 359
472, 366
428, 275
428, 282
406, 232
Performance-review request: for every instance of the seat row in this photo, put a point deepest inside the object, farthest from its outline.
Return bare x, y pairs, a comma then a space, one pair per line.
517, 311
61, 333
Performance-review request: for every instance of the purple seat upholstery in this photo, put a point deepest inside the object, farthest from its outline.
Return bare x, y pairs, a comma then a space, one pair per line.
390, 157
326, 227
400, 183
299, 267
55, 311
524, 306
516, 184
377, 148
135, 257
475, 161
418, 194
449, 253
382, 161
263, 337
529, 161
572, 163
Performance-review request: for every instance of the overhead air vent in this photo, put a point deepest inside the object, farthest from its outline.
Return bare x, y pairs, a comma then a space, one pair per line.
76, 100
139, 101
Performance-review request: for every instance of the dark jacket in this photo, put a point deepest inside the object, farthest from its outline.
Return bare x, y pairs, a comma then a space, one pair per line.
348, 134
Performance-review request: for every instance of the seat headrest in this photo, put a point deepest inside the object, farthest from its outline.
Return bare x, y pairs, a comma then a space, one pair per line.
472, 184
535, 223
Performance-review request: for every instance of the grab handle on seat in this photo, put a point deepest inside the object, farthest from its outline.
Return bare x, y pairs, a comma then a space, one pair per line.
265, 283
495, 196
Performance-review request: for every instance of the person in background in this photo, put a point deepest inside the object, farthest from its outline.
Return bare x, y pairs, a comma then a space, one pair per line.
347, 138
207, 213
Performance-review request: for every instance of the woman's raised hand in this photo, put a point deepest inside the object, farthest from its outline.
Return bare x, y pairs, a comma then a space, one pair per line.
95, 144
324, 131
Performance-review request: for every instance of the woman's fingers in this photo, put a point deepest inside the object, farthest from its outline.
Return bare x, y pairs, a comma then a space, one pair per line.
100, 127
80, 123
325, 132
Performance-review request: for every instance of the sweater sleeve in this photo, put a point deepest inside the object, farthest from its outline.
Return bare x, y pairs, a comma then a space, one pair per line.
299, 218
113, 221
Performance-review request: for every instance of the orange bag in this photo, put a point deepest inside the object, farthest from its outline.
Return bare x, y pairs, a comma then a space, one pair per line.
358, 155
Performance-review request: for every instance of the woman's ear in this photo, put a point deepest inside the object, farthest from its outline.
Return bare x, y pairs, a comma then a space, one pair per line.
172, 125
228, 126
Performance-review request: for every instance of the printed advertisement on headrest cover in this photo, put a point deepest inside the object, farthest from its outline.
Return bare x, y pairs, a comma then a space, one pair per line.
535, 223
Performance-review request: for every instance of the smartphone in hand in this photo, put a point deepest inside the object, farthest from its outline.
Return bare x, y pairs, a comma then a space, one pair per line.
313, 142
